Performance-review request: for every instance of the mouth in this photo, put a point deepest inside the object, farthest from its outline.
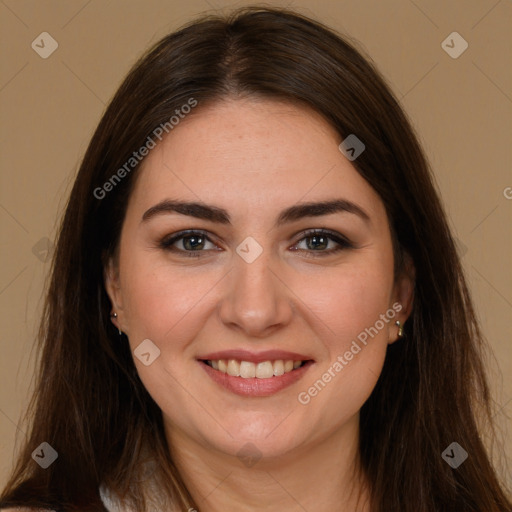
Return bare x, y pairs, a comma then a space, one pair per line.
250, 370
257, 377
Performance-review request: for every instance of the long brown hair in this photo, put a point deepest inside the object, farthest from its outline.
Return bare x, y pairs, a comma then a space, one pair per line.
89, 403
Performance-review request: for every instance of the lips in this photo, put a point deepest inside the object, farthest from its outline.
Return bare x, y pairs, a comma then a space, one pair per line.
255, 374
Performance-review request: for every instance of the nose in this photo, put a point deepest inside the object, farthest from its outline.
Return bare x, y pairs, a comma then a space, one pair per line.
256, 302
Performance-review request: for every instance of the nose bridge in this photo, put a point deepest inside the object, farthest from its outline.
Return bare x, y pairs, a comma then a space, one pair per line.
255, 301
253, 280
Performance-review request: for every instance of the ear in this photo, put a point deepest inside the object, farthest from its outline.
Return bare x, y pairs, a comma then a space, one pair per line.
114, 291
403, 295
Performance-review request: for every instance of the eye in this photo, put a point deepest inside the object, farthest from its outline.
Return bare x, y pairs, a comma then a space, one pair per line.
322, 242
190, 241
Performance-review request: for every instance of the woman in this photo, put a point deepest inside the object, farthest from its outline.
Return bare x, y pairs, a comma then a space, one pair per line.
256, 302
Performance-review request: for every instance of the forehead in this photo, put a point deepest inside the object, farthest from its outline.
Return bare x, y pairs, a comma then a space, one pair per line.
248, 154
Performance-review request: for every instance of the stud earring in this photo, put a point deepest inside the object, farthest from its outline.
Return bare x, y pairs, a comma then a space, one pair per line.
114, 315
400, 328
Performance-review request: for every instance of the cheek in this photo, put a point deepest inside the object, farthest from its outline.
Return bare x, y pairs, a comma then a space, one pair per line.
350, 299
353, 314
165, 307
158, 300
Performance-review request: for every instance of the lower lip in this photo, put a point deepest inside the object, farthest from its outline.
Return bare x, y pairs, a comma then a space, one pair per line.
255, 386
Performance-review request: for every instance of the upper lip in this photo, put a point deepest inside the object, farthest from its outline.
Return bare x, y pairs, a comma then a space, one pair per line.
255, 357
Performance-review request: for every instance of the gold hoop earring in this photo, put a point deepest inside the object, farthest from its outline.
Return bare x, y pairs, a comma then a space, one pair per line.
400, 328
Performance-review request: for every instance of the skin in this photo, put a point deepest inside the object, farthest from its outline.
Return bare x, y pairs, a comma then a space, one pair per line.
254, 159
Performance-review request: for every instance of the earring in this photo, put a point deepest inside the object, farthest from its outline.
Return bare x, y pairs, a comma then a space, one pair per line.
400, 328
114, 315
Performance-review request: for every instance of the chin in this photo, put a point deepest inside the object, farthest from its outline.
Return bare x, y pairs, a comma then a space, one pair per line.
268, 437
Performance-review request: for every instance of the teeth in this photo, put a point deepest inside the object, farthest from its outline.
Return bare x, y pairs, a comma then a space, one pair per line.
249, 370
264, 370
233, 368
278, 368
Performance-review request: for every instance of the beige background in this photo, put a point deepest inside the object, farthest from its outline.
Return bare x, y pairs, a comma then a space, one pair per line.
50, 107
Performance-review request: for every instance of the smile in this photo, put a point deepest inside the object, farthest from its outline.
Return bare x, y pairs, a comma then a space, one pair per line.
255, 375
249, 370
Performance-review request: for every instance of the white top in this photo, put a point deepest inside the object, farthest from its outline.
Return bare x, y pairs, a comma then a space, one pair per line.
111, 504
114, 504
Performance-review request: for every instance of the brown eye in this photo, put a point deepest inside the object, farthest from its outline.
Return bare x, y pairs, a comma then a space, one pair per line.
322, 242
187, 242
193, 242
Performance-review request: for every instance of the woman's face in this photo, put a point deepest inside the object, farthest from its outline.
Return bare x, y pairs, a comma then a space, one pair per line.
252, 288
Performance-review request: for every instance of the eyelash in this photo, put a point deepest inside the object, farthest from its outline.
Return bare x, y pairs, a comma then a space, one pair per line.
343, 243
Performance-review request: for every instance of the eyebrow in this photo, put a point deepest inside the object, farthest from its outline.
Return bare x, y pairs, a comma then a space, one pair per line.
221, 216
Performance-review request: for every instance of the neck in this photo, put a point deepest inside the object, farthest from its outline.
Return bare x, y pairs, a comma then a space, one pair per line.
321, 476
